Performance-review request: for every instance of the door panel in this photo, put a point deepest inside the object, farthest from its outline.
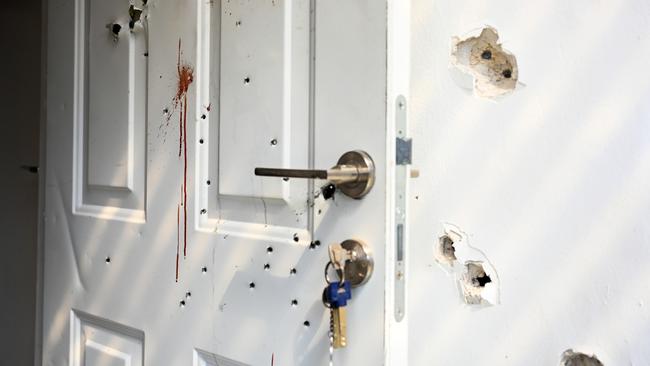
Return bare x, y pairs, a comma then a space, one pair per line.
225, 267
110, 103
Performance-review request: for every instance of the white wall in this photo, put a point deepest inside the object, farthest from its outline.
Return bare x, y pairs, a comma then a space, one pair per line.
551, 183
20, 35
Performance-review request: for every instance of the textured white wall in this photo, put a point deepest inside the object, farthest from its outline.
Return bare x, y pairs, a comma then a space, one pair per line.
551, 183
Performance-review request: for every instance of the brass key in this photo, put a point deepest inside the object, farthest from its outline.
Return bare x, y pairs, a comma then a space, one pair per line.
339, 327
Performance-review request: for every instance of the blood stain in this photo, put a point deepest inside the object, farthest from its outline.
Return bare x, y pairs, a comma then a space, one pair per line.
185, 79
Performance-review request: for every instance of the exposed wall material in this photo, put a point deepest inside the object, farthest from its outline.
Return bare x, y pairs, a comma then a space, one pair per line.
474, 275
493, 69
571, 358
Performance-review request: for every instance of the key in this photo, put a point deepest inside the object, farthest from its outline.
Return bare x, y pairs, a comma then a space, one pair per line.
337, 295
339, 257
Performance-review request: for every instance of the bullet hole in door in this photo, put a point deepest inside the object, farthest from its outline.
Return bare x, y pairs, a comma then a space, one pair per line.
306, 323
115, 29
294, 302
296, 238
293, 271
204, 270
571, 358
135, 15
251, 285
328, 191
274, 142
247, 80
269, 249
482, 58
182, 303
108, 260
267, 267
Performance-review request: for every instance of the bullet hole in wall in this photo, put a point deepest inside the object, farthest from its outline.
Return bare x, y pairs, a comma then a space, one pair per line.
446, 249
473, 281
571, 358
493, 70
473, 274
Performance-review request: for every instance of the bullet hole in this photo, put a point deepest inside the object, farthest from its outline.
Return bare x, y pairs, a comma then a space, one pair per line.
314, 244
296, 238
30, 168
115, 29
571, 358
208, 182
146, 54
182, 303
473, 282
200, 141
269, 249
238, 23
135, 15
267, 266
274, 142
286, 179
247, 80
203, 116
251, 285
306, 323
204, 211
492, 69
446, 248
188, 295
166, 111
204, 270
294, 302
108, 260
293, 271
328, 191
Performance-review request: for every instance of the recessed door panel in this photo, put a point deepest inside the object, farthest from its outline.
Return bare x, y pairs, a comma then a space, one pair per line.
110, 110
256, 77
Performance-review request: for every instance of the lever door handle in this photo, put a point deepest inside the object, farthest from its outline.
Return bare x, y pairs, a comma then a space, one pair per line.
354, 174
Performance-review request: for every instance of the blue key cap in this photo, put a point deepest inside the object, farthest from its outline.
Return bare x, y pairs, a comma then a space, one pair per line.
338, 295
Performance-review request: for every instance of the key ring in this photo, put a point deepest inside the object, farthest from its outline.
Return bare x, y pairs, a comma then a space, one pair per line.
327, 277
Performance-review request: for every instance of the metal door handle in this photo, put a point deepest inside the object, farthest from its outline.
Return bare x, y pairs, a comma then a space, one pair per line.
354, 174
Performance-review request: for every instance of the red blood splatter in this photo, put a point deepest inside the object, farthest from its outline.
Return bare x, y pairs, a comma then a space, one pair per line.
185, 78
178, 237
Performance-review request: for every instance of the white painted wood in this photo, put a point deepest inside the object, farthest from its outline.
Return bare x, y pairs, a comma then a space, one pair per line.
110, 103
550, 183
111, 249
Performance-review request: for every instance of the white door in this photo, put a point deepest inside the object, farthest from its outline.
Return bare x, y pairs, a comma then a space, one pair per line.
161, 245
545, 187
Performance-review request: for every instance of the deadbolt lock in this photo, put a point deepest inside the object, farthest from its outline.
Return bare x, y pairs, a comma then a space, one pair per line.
354, 173
352, 261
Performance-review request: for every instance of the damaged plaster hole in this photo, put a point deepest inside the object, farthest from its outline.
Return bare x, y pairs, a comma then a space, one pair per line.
482, 58
473, 282
571, 358
446, 250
